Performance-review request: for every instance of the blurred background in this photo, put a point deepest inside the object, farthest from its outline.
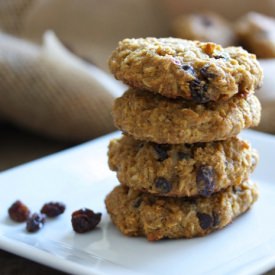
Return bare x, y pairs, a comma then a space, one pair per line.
55, 88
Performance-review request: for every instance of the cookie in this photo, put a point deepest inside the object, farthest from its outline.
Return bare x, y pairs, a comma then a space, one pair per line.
193, 70
204, 26
257, 34
184, 169
155, 118
141, 214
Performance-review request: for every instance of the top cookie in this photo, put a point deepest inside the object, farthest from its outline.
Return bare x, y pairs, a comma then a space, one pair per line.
192, 70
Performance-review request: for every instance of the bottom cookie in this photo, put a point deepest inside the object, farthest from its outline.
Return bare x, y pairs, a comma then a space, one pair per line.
141, 214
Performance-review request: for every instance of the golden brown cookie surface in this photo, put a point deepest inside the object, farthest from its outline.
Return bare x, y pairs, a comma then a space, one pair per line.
193, 70
181, 170
151, 117
141, 214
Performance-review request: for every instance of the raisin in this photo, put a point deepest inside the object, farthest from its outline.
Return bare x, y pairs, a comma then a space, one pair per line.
85, 220
206, 73
216, 219
35, 222
163, 185
205, 220
184, 155
188, 68
19, 212
205, 180
53, 209
198, 91
161, 150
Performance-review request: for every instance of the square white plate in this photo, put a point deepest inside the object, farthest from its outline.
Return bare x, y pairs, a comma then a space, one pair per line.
80, 178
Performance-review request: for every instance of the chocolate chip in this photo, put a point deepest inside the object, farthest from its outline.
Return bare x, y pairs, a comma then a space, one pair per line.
53, 209
35, 222
85, 220
163, 185
205, 180
184, 155
206, 73
19, 212
198, 91
188, 68
216, 219
161, 150
205, 220
137, 202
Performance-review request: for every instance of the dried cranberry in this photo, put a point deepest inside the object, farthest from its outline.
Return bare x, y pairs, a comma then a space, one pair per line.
19, 212
85, 220
163, 185
205, 180
161, 150
188, 68
53, 209
35, 222
205, 220
199, 91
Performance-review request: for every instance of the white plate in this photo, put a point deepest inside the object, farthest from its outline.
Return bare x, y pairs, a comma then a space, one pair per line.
80, 178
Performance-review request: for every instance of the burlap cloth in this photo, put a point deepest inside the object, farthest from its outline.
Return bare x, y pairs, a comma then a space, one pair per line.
55, 90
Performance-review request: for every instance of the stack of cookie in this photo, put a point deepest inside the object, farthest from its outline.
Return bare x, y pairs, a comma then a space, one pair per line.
183, 171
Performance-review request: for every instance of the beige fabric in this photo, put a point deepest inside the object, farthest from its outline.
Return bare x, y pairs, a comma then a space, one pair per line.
50, 91
94, 27
12, 14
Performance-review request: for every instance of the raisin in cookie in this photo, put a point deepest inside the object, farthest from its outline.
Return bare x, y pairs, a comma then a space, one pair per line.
184, 169
151, 117
141, 214
257, 34
204, 26
193, 70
